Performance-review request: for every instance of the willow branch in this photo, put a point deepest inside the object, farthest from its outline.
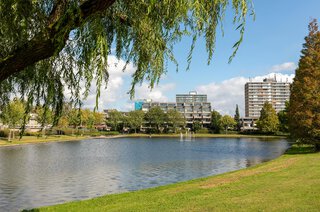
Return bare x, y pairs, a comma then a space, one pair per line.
46, 44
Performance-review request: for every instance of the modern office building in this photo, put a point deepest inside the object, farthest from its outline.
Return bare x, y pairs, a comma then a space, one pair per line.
191, 97
193, 106
270, 90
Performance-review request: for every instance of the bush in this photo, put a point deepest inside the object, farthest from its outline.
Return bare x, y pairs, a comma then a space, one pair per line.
5, 133
203, 131
109, 133
67, 131
29, 133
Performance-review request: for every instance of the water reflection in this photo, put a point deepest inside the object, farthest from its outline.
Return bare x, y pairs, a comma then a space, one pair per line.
44, 174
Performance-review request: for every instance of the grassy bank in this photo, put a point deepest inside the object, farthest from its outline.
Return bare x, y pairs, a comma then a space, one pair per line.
35, 139
289, 183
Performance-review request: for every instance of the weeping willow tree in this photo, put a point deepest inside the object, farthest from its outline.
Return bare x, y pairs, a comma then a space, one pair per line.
48, 46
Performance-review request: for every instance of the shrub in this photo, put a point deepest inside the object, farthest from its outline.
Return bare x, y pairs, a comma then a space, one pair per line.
203, 131
29, 133
5, 132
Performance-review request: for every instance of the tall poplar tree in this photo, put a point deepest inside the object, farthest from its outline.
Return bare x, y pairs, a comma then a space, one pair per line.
215, 122
304, 107
237, 118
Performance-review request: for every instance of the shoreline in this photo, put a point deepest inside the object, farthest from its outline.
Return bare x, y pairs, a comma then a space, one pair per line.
27, 140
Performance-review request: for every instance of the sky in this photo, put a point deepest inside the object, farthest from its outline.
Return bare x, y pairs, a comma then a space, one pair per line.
271, 46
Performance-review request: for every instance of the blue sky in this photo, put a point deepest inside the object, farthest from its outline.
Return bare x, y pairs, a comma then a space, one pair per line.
272, 44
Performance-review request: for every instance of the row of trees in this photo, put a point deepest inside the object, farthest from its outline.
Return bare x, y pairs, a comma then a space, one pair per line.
14, 113
14, 116
155, 119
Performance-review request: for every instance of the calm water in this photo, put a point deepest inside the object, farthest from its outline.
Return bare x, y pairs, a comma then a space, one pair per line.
46, 174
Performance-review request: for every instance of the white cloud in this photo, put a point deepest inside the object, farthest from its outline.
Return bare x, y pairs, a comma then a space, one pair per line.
226, 94
116, 96
157, 94
115, 90
288, 66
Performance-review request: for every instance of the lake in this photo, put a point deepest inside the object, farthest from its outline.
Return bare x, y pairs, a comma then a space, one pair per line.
45, 174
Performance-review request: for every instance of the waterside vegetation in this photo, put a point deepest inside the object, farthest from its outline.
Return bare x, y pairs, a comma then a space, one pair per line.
61, 138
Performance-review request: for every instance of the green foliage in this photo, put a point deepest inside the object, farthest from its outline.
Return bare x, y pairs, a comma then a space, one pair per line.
227, 122
87, 118
156, 118
175, 119
237, 118
283, 119
203, 131
44, 116
268, 121
304, 109
196, 126
115, 119
13, 113
29, 133
215, 121
74, 117
4, 133
98, 118
142, 32
135, 119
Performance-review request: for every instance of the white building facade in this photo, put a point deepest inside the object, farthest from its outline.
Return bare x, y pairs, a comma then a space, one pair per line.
193, 106
257, 93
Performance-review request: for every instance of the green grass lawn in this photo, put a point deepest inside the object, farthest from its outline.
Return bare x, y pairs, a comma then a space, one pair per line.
289, 183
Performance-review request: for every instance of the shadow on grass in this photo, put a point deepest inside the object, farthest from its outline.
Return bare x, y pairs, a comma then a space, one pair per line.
300, 149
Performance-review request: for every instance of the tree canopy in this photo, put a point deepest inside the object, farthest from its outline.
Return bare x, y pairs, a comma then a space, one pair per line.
304, 107
227, 121
268, 121
114, 120
13, 113
175, 119
237, 118
135, 119
215, 121
156, 118
283, 119
69, 41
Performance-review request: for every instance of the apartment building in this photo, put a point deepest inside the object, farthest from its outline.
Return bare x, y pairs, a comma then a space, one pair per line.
193, 106
270, 90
